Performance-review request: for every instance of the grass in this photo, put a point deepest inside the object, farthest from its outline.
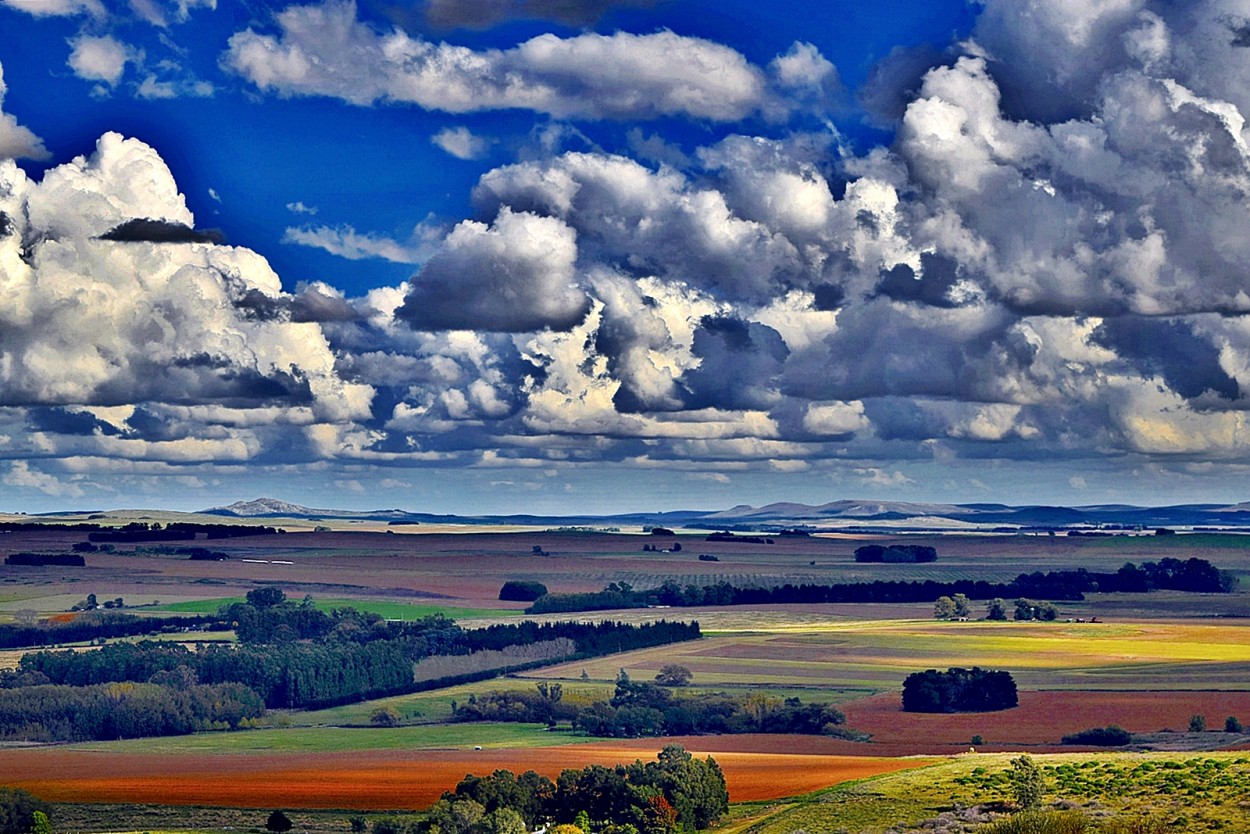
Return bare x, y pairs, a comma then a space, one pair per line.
342, 740
385, 609
1194, 793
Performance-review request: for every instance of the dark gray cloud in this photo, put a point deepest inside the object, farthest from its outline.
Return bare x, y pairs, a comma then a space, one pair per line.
739, 364
1171, 350
146, 230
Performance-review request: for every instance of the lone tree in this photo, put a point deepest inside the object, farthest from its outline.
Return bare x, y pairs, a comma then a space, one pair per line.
278, 822
674, 675
943, 608
996, 609
1027, 782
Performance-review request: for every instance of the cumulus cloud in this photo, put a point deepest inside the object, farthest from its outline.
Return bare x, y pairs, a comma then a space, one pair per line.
323, 50
16, 141
114, 301
515, 275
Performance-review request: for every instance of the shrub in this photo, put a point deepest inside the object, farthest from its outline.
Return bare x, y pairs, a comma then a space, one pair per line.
515, 590
1197, 723
384, 717
1232, 725
1042, 822
1111, 736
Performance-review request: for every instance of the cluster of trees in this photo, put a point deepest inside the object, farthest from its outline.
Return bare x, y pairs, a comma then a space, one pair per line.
674, 792
138, 531
516, 590
124, 710
959, 690
639, 709
726, 536
958, 607
1195, 575
909, 554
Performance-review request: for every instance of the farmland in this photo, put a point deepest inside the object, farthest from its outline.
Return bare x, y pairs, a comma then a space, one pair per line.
1150, 663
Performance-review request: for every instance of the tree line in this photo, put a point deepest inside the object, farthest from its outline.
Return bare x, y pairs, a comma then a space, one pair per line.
98, 625
1192, 575
124, 710
639, 708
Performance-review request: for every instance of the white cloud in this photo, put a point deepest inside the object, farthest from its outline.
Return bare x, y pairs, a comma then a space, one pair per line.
57, 8
16, 141
22, 476
298, 207
324, 50
461, 143
881, 478
346, 242
100, 58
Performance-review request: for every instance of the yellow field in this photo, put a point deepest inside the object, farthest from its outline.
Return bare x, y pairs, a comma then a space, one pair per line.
879, 654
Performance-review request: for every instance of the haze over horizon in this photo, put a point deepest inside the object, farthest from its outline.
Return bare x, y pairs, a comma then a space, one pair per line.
590, 257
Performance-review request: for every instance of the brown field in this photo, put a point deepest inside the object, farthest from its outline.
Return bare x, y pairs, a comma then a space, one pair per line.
1041, 720
469, 568
395, 780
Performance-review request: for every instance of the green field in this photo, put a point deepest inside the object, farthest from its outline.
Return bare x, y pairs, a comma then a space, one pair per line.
387, 610
344, 739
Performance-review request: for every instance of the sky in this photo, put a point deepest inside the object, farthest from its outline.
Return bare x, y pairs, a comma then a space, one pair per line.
575, 256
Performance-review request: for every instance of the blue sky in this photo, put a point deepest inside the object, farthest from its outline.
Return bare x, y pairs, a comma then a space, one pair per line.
495, 256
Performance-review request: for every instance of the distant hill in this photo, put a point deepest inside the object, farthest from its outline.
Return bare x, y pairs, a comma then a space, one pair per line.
836, 515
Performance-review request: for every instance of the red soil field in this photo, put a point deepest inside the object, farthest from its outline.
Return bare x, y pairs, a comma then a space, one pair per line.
387, 780
1041, 719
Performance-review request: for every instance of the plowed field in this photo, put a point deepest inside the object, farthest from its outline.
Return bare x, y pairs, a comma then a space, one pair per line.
1042, 718
383, 780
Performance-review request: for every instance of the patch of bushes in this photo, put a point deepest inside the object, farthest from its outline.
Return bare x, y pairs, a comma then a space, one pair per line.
1111, 736
515, 590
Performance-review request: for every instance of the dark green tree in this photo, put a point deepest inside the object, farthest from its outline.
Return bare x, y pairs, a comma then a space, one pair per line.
17, 810
278, 822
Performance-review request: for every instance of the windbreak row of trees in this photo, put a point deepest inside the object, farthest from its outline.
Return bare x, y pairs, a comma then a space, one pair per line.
123, 710
1193, 575
314, 659
639, 709
97, 625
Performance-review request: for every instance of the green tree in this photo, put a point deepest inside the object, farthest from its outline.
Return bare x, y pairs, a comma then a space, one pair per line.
1197, 723
996, 609
1027, 782
943, 608
266, 597
582, 821
1232, 725
358, 824
962, 606
40, 825
501, 821
674, 675
278, 822
17, 810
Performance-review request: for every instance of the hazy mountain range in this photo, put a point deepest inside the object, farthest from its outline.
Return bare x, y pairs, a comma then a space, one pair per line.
834, 515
